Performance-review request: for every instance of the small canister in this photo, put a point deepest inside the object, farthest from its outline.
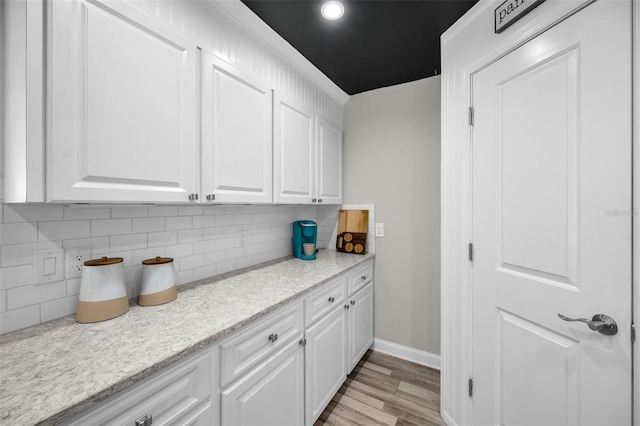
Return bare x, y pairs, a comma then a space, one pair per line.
103, 294
158, 282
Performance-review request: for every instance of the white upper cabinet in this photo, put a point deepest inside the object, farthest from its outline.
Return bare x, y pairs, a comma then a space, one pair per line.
329, 162
307, 163
293, 153
122, 106
236, 135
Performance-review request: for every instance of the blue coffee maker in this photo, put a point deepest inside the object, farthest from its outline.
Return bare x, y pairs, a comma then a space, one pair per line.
305, 238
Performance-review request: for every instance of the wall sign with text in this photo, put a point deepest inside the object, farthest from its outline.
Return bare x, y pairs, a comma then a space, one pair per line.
511, 10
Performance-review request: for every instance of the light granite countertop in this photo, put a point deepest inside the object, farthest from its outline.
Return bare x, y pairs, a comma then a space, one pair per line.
54, 370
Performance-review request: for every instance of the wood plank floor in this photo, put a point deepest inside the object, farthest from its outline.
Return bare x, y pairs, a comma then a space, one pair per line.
384, 390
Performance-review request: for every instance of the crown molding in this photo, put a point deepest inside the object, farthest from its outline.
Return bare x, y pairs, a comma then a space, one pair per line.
244, 16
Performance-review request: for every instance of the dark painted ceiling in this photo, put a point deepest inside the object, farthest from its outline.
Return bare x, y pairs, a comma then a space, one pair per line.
377, 43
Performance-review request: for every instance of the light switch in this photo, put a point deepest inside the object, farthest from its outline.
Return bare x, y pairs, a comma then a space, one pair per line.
47, 266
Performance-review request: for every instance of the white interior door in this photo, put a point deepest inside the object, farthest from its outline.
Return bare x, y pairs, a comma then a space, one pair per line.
552, 225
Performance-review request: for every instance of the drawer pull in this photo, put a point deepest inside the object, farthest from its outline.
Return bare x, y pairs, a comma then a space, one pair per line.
273, 337
146, 420
331, 299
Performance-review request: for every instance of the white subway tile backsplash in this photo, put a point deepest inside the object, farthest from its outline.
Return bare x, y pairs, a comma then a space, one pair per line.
215, 257
204, 246
79, 213
16, 319
180, 250
204, 272
163, 211
177, 223
149, 224
128, 242
73, 286
204, 221
97, 245
190, 211
17, 233
64, 230
212, 233
189, 235
16, 276
156, 239
22, 254
31, 213
58, 308
191, 262
226, 220
202, 240
100, 228
27, 295
122, 212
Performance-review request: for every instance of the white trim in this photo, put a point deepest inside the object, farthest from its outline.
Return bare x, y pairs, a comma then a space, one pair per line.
447, 419
250, 21
636, 202
409, 354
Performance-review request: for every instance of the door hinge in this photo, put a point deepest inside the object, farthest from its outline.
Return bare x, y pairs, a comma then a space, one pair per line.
470, 116
633, 333
470, 387
470, 252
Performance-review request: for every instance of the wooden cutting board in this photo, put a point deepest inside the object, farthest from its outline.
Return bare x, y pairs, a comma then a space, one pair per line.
352, 231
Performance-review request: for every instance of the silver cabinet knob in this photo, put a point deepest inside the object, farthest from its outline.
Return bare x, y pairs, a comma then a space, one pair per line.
600, 322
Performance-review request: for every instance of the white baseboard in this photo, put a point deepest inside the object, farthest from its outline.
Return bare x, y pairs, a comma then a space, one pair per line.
447, 419
404, 352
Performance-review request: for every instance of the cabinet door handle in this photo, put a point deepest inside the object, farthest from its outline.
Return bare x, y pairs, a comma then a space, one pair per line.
314, 200
364, 277
320, 200
346, 306
353, 302
146, 420
273, 337
331, 299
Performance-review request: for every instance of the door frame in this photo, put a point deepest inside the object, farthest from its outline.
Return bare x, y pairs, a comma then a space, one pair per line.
467, 47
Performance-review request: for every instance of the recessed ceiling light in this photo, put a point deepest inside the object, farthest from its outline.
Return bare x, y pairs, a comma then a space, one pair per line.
332, 10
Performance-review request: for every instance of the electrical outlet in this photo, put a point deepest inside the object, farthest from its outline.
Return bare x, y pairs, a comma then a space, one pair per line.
380, 230
74, 261
243, 238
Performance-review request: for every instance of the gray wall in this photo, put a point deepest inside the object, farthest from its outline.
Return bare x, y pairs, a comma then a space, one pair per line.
392, 159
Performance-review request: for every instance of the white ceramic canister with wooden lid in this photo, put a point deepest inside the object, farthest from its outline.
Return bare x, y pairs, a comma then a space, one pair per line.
158, 282
103, 294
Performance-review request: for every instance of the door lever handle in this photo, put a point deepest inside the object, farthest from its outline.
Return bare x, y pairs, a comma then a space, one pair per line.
600, 322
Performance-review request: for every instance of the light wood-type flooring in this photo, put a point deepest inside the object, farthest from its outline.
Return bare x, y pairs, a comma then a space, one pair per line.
384, 390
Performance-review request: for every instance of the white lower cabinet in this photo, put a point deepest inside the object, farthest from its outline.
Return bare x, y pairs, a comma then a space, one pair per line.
360, 336
325, 362
271, 394
183, 394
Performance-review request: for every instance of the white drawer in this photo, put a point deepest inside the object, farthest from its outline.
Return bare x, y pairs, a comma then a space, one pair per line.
175, 396
254, 343
360, 277
323, 300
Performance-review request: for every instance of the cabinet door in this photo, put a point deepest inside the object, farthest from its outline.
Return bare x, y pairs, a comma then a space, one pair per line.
360, 324
329, 162
326, 362
122, 106
271, 394
236, 135
293, 153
